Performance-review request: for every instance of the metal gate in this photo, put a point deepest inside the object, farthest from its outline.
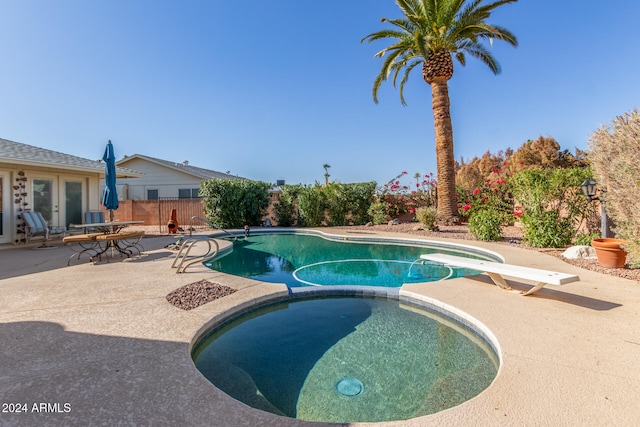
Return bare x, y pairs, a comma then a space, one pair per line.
185, 209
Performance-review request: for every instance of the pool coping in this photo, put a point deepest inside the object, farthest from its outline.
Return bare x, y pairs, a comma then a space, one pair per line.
345, 237
461, 318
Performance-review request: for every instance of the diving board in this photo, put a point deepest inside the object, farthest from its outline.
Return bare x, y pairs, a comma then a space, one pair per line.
496, 270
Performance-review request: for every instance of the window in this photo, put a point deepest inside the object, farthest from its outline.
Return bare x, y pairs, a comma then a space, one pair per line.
188, 193
152, 194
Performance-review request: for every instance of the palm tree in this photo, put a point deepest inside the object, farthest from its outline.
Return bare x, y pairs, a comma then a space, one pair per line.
431, 32
326, 174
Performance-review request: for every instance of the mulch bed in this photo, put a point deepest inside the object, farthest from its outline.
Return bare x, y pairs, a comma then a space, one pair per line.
196, 294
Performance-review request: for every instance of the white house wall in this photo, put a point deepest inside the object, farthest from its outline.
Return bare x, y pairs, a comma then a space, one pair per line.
90, 193
156, 177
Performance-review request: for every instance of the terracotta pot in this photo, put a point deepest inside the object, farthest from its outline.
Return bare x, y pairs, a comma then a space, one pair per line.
609, 252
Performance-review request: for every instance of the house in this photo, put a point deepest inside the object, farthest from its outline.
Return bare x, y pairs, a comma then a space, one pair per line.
164, 179
60, 186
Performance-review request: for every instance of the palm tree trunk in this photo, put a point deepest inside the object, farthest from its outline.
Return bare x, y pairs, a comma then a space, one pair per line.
445, 161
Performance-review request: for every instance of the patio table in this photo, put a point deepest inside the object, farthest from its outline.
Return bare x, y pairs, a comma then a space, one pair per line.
115, 238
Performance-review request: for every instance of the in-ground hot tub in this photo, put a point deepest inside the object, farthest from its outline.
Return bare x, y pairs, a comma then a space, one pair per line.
336, 355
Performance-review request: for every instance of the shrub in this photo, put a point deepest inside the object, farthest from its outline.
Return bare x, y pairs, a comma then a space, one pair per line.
378, 212
232, 203
485, 224
491, 193
358, 198
316, 205
399, 197
348, 203
337, 206
584, 238
614, 151
285, 210
311, 205
426, 215
553, 206
547, 229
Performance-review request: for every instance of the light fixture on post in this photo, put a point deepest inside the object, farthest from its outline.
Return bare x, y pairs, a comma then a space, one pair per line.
589, 189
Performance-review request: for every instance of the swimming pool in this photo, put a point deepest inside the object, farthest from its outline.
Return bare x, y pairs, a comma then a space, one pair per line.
319, 259
331, 356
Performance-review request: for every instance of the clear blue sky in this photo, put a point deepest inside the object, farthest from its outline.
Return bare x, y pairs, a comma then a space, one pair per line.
275, 89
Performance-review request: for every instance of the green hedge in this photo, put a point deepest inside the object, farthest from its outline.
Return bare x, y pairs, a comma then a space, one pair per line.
553, 205
317, 205
233, 203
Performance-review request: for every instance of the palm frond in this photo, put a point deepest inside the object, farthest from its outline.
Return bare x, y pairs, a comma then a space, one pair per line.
452, 11
408, 7
401, 63
506, 35
429, 8
405, 78
478, 51
383, 34
470, 9
386, 70
404, 24
491, 6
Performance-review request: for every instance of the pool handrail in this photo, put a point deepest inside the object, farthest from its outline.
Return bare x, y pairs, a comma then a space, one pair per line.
185, 248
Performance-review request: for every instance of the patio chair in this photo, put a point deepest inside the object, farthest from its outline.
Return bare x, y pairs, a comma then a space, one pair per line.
36, 225
93, 217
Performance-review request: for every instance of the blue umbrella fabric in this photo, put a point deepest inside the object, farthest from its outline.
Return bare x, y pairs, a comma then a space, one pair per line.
110, 195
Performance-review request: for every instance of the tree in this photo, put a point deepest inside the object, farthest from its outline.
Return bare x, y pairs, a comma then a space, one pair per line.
614, 150
326, 174
428, 35
472, 174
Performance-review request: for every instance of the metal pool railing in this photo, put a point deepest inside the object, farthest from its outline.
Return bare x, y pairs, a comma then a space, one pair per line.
183, 254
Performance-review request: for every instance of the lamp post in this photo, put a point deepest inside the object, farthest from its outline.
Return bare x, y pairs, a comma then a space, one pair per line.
589, 190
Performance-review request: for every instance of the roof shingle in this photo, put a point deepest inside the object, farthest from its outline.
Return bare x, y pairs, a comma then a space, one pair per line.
19, 153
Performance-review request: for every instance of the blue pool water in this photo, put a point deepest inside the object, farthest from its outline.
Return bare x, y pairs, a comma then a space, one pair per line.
303, 260
346, 359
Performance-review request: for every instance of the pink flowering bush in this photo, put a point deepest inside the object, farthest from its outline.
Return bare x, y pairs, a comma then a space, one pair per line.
491, 193
398, 197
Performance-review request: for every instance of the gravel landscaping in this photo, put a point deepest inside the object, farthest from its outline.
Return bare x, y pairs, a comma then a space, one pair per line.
196, 294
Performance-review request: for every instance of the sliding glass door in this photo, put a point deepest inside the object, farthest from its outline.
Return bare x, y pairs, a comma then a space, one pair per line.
73, 202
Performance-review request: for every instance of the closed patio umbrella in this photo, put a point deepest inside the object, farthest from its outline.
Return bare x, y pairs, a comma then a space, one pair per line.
110, 195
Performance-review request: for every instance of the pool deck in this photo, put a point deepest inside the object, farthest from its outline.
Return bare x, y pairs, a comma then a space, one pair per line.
99, 344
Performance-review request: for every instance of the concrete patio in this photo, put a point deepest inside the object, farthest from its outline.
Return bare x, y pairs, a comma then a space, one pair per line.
100, 345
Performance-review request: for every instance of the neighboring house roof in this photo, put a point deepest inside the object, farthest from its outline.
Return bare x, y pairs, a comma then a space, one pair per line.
29, 155
184, 167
